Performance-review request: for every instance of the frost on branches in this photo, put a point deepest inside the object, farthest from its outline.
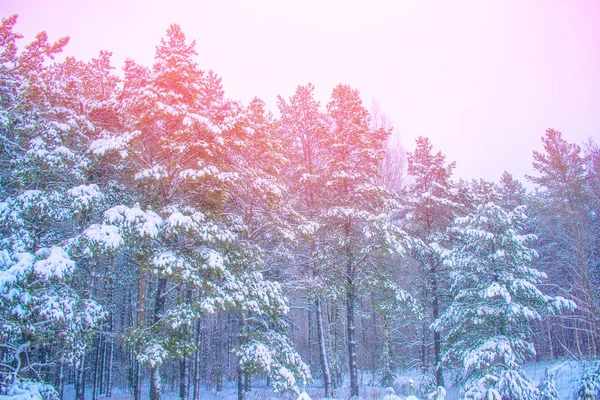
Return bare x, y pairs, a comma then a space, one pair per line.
494, 298
192, 163
44, 202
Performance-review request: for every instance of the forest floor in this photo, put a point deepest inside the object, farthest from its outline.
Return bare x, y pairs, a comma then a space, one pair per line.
567, 376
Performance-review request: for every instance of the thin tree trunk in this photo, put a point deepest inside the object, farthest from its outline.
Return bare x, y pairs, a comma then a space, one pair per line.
183, 378
310, 336
101, 381
334, 346
247, 382
350, 303
141, 305
577, 342
387, 375
196, 380
155, 383
323, 350
159, 306
109, 367
61, 381
80, 380
137, 379
241, 393
550, 344
96, 369
437, 339
592, 340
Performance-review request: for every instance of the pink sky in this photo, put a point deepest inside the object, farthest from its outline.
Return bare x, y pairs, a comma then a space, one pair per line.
482, 79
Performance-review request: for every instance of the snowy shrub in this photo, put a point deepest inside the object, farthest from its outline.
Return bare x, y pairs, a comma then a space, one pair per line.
589, 388
391, 394
29, 390
303, 396
514, 385
547, 387
439, 394
427, 384
273, 354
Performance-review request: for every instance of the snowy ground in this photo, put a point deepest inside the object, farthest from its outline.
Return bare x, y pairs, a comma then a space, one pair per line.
567, 375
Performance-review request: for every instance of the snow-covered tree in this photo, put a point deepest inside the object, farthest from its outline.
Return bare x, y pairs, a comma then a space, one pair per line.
547, 388
45, 199
494, 297
566, 213
357, 220
304, 128
431, 205
511, 191
192, 219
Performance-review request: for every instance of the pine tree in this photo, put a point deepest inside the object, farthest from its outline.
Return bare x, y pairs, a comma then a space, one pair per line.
547, 388
568, 230
511, 191
304, 130
357, 217
495, 296
590, 386
431, 207
46, 202
187, 226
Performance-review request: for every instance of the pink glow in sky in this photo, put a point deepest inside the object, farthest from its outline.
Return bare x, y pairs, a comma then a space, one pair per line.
482, 79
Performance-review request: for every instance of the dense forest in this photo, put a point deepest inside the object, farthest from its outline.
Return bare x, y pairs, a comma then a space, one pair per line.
156, 235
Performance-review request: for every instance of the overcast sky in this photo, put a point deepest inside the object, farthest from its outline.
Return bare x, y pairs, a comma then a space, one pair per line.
482, 79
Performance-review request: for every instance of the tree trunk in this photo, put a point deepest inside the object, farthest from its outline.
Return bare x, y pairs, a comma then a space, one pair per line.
141, 305
323, 349
183, 378
155, 383
310, 336
196, 380
577, 342
336, 368
159, 306
101, 381
80, 380
247, 382
241, 393
437, 338
61, 381
137, 379
97, 366
109, 368
387, 374
350, 302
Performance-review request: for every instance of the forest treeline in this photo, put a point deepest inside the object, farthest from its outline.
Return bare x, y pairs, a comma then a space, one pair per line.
155, 232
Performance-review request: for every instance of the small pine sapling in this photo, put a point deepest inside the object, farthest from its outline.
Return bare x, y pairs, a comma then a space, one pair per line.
547, 387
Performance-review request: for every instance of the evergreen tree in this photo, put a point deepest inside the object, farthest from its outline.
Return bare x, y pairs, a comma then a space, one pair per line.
47, 322
495, 296
566, 215
547, 388
511, 191
590, 386
187, 226
431, 207
304, 130
358, 212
